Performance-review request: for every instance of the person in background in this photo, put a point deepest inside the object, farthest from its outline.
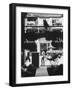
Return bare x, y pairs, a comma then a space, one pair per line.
43, 58
48, 59
28, 69
28, 61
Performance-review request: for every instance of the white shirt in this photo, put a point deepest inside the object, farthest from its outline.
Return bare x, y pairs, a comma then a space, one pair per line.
27, 63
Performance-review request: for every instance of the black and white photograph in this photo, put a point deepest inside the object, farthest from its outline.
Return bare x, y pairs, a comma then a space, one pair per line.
39, 44
42, 44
